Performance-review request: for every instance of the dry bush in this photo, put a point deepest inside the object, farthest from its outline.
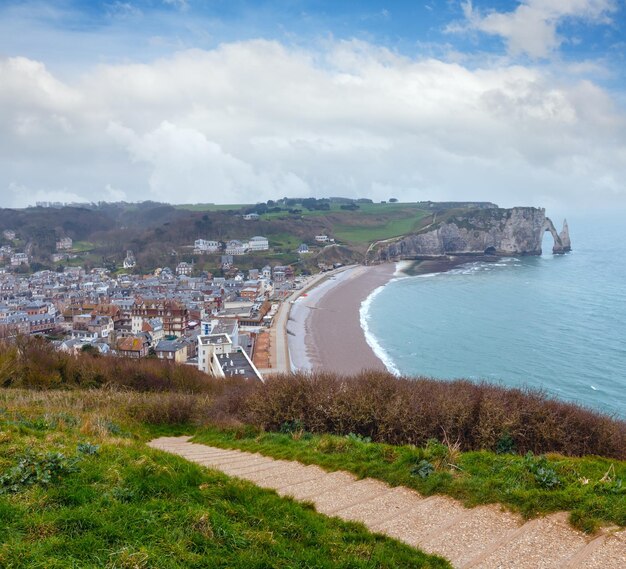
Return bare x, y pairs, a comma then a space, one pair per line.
32, 363
411, 411
167, 408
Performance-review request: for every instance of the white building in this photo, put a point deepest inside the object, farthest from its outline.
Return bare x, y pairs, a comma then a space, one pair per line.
322, 238
18, 259
251, 216
217, 356
9, 234
259, 243
202, 246
129, 261
234, 247
184, 268
64, 244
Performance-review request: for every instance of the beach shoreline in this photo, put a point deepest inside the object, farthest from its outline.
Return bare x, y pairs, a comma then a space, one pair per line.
324, 327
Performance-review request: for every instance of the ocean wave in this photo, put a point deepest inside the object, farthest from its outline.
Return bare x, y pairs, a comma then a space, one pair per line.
372, 341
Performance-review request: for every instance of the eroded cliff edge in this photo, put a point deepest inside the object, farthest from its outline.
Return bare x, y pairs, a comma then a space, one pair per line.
496, 231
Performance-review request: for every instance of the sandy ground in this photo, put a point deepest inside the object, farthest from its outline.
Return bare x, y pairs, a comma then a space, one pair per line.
324, 329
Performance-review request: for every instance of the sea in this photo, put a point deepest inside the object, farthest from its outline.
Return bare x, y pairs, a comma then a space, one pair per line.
551, 322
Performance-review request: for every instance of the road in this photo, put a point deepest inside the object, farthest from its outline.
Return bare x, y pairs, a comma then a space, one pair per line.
279, 345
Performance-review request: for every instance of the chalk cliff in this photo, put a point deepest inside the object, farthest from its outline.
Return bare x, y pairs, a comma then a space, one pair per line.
498, 231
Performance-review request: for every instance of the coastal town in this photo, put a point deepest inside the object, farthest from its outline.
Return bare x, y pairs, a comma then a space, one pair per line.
223, 325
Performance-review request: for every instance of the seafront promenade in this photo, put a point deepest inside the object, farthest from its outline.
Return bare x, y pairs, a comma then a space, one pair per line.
279, 359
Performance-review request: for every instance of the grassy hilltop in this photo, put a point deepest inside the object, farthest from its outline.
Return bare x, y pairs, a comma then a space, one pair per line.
79, 486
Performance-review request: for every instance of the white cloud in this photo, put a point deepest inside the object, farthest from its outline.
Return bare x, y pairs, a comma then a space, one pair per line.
255, 120
180, 4
532, 28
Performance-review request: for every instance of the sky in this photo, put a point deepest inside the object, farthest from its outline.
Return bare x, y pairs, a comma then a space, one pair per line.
232, 101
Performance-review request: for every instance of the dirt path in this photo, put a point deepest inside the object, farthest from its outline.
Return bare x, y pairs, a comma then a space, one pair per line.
484, 537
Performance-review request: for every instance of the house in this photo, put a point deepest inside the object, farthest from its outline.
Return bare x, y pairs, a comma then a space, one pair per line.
322, 238
8, 234
41, 323
282, 273
259, 243
251, 216
235, 247
266, 271
303, 249
203, 246
175, 316
154, 327
172, 350
64, 244
184, 269
250, 293
18, 259
133, 346
93, 325
129, 261
219, 357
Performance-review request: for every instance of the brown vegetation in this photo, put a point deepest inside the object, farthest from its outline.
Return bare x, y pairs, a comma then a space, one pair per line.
33, 363
371, 404
411, 411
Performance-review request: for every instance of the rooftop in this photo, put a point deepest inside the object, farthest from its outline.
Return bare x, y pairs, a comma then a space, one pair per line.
236, 364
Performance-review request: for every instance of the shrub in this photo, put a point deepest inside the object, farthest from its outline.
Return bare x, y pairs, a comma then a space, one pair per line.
167, 409
411, 411
33, 469
423, 469
543, 473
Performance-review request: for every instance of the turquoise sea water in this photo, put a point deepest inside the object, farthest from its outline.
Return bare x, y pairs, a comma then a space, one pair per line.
551, 322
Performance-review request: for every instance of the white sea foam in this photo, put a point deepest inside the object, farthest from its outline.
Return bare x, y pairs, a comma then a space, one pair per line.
401, 266
372, 341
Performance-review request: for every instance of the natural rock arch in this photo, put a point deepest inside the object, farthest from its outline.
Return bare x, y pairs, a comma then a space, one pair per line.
561, 241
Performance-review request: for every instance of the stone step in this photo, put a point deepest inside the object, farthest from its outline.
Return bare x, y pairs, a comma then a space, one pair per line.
239, 470
472, 534
546, 543
362, 491
287, 477
308, 490
162, 441
267, 472
382, 509
479, 538
233, 469
194, 455
426, 517
208, 458
580, 557
610, 554
225, 462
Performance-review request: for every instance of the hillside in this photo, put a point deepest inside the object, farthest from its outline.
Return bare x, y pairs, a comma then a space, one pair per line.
162, 235
80, 488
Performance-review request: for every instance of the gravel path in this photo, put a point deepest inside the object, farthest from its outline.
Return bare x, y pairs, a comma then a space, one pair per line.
485, 537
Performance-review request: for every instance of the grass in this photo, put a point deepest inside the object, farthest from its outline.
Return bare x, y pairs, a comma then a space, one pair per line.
384, 230
592, 489
82, 246
79, 488
212, 207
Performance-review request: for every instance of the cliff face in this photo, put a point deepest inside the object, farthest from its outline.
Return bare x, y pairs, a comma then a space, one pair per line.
516, 231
